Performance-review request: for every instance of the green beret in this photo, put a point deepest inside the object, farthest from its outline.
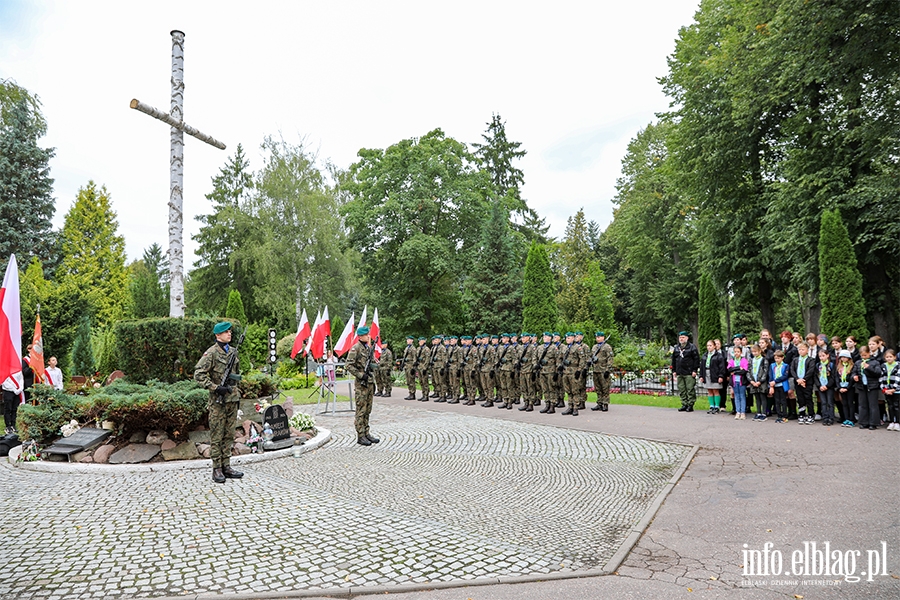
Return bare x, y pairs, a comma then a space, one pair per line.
221, 327
599, 333
570, 334
453, 337
548, 334
684, 333
495, 337
465, 337
435, 337
410, 337
555, 333
363, 330
579, 333
504, 335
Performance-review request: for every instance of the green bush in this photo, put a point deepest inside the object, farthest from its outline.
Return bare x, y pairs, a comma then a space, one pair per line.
42, 421
627, 355
257, 385
165, 349
298, 382
158, 408
285, 345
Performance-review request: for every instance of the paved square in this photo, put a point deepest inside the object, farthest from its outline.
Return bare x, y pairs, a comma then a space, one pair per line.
443, 497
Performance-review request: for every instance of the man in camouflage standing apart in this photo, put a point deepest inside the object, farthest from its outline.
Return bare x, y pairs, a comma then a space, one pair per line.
385, 382
364, 387
223, 401
409, 367
454, 370
602, 364
423, 354
547, 359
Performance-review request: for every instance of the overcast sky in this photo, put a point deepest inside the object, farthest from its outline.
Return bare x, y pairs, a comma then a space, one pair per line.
574, 82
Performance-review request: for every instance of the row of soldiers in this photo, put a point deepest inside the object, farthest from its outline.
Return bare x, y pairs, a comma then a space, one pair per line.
509, 369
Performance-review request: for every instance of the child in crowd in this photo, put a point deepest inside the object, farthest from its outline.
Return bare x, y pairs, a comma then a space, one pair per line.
866, 376
779, 373
890, 385
737, 376
843, 374
766, 350
876, 348
836, 347
758, 380
803, 370
712, 376
851, 342
825, 389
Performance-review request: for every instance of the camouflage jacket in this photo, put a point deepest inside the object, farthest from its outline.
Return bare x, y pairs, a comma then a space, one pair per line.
602, 355
211, 368
386, 361
357, 358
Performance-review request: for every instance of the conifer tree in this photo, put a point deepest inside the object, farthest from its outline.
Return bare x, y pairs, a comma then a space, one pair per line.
539, 311
601, 299
572, 259
82, 355
710, 323
840, 282
235, 308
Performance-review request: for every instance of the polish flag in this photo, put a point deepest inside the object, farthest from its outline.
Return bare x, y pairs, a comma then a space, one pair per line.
11, 330
345, 342
374, 331
317, 349
303, 333
36, 355
315, 327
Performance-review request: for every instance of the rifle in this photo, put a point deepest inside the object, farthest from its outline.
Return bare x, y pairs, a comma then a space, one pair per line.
368, 369
229, 368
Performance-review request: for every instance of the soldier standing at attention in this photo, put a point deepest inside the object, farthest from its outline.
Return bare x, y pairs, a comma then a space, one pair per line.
454, 368
437, 366
527, 373
465, 362
602, 364
223, 400
507, 364
517, 367
478, 357
386, 371
581, 376
572, 366
546, 362
685, 364
423, 354
558, 380
409, 367
445, 371
488, 367
363, 387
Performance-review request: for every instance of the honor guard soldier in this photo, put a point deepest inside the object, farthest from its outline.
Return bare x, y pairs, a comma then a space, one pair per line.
516, 383
506, 359
385, 381
468, 353
454, 370
489, 370
558, 381
479, 361
572, 367
410, 357
601, 364
361, 364
423, 354
585, 351
528, 372
549, 377
436, 362
223, 400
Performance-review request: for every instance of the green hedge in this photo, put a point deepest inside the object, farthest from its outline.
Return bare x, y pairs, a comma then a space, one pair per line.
164, 349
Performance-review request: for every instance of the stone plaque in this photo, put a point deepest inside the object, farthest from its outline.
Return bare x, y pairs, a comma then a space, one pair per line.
278, 421
83, 439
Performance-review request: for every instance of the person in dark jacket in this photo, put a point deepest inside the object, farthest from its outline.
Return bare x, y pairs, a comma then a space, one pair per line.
685, 364
758, 381
825, 385
866, 377
712, 377
803, 370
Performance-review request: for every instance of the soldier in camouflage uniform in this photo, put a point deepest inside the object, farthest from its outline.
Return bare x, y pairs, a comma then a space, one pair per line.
488, 371
581, 388
528, 373
468, 359
559, 381
385, 381
547, 358
573, 364
506, 365
410, 358
602, 365
223, 400
454, 370
437, 359
364, 387
445, 372
423, 354
516, 387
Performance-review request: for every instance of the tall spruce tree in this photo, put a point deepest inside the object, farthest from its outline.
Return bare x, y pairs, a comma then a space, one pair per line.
539, 311
493, 291
235, 308
148, 296
26, 204
93, 259
601, 302
840, 282
572, 259
82, 354
709, 319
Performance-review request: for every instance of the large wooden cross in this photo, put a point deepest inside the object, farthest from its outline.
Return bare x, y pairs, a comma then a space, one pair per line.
175, 118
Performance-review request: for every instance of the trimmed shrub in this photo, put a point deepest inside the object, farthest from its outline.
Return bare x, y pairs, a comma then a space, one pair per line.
257, 385
710, 324
840, 282
165, 349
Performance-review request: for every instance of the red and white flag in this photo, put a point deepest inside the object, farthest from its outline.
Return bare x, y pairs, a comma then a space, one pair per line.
345, 342
11, 376
362, 321
36, 355
303, 333
315, 327
317, 348
374, 331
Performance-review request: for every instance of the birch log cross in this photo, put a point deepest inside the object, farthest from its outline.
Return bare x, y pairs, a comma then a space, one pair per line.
175, 119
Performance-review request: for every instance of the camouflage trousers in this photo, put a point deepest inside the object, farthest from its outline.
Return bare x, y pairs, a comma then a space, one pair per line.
528, 382
548, 387
222, 421
384, 381
453, 389
571, 387
487, 383
363, 396
601, 384
410, 381
423, 382
506, 386
478, 382
468, 382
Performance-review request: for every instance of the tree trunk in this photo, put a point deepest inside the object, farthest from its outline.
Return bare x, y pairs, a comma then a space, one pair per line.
766, 306
811, 309
880, 304
176, 177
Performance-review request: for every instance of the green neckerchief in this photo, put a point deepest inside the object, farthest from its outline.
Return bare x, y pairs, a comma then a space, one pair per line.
845, 371
890, 368
708, 359
757, 360
802, 371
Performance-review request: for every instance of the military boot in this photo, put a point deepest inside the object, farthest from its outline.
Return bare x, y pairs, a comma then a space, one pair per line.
546, 409
552, 409
434, 394
568, 411
363, 441
581, 405
372, 438
453, 401
596, 407
526, 408
574, 412
218, 475
488, 404
560, 403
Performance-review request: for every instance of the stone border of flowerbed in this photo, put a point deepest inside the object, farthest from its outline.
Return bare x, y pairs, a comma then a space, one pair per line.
321, 437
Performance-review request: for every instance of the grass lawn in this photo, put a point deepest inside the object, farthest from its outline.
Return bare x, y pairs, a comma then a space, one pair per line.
702, 403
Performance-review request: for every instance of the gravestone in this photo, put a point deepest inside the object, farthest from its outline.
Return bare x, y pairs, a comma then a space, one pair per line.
281, 428
83, 439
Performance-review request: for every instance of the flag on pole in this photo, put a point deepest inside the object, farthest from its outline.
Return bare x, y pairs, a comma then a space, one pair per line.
345, 342
303, 333
315, 327
11, 376
375, 331
317, 348
36, 355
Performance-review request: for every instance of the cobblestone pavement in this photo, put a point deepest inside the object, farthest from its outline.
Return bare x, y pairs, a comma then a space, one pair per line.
443, 497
